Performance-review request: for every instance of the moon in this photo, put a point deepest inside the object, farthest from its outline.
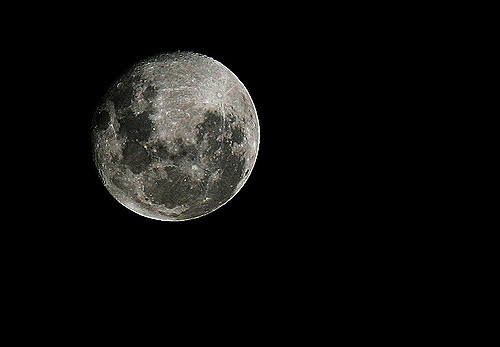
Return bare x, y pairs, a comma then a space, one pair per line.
175, 137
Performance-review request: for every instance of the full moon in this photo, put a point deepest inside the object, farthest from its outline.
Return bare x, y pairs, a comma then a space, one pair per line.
175, 137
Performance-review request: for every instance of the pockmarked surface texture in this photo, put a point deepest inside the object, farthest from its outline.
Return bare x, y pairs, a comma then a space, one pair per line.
176, 137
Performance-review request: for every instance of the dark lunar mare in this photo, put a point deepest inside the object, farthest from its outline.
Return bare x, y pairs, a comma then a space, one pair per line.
135, 156
123, 93
135, 127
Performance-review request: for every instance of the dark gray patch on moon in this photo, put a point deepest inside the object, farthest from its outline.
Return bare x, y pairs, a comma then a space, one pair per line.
135, 157
135, 127
173, 190
176, 137
102, 119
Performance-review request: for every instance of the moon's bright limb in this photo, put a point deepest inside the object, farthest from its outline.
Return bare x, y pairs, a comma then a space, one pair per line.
176, 137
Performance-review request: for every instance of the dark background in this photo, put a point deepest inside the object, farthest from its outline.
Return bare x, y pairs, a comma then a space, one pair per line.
334, 227
322, 220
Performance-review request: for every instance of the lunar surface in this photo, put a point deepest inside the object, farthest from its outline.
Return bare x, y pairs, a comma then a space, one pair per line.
176, 137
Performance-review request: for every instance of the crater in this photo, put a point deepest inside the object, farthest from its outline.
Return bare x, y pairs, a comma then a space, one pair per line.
102, 119
149, 93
